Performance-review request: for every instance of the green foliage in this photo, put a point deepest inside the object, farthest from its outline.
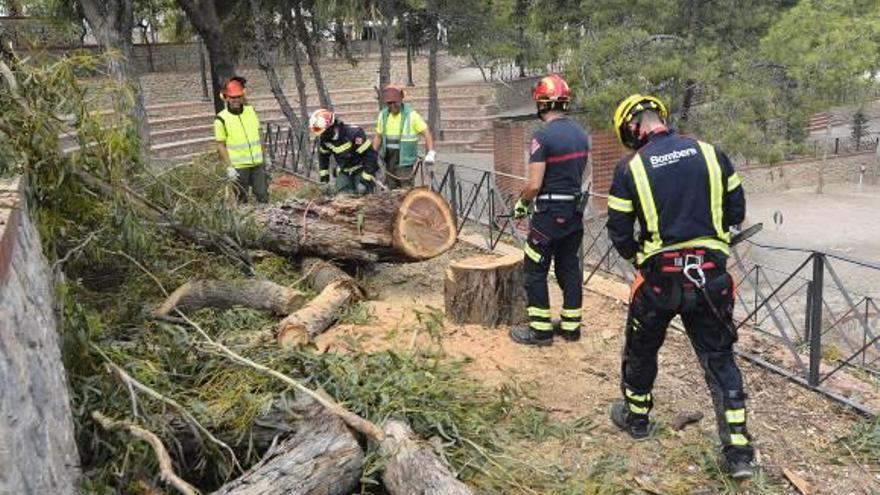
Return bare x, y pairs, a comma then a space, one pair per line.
860, 128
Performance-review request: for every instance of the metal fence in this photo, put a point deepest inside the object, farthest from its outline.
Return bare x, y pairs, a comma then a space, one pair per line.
814, 312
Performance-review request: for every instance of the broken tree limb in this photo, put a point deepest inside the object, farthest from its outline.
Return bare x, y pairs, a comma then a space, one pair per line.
165, 468
485, 290
413, 467
359, 424
127, 379
223, 294
336, 289
393, 226
323, 456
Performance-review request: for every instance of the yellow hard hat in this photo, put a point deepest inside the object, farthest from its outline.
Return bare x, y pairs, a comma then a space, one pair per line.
628, 109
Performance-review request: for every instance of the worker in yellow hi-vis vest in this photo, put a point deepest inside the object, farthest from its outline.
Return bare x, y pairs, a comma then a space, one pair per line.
397, 139
237, 132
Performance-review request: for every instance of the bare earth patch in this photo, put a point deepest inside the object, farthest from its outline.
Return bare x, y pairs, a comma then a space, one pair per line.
793, 428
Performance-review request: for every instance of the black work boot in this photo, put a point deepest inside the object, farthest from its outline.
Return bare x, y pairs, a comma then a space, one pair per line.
637, 425
569, 335
524, 334
738, 463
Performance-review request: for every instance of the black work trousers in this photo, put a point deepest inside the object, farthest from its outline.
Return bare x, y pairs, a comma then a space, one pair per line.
555, 234
255, 178
656, 298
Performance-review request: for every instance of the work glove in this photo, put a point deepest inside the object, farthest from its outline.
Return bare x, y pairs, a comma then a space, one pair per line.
231, 173
430, 157
324, 176
521, 209
367, 178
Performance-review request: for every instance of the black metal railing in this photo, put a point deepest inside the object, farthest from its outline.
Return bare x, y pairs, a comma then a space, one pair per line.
814, 311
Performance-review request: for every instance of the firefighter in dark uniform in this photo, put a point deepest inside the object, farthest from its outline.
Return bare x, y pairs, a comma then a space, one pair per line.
685, 195
558, 157
356, 161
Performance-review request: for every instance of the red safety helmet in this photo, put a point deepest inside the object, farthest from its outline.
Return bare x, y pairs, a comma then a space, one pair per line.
552, 93
234, 87
321, 120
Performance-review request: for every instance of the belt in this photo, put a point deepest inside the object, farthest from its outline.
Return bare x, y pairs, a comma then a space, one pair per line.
675, 261
556, 197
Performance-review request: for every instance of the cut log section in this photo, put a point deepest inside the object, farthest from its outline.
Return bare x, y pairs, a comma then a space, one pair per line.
222, 294
414, 467
323, 456
336, 289
486, 290
391, 226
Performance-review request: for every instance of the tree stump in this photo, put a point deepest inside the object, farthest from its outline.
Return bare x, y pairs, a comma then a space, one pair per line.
486, 290
389, 226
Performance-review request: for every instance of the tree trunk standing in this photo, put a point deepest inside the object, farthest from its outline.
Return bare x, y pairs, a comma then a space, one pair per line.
433, 97
686, 103
397, 225
112, 22
294, 51
268, 68
820, 172
203, 15
146, 37
386, 41
306, 39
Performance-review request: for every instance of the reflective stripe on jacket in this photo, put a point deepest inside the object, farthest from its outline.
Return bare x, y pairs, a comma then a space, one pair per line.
406, 139
241, 134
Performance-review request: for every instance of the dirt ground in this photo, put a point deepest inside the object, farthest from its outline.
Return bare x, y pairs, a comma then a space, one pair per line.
793, 428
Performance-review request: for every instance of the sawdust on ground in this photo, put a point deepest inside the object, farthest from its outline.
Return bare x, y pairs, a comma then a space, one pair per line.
793, 427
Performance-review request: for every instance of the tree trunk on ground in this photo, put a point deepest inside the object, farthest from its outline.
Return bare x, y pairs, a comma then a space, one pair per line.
395, 225
204, 16
112, 22
222, 294
323, 456
267, 67
413, 467
311, 52
433, 98
336, 289
485, 290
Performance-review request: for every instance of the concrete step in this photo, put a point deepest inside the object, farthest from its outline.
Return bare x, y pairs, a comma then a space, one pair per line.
340, 99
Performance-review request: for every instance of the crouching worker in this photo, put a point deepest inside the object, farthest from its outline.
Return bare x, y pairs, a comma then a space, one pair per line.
356, 161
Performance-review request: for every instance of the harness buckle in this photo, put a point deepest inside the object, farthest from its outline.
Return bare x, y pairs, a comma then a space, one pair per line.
693, 270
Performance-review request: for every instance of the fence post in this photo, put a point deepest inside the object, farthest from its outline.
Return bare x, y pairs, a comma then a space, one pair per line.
807, 312
453, 188
836, 145
816, 318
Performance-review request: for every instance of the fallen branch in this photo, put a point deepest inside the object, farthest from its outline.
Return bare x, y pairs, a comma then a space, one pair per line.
336, 288
115, 370
256, 294
166, 470
364, 426
801, 484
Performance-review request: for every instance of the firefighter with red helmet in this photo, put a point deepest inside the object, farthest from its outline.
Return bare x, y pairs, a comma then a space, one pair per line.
237, 133
685, 195
558, 159
356, 161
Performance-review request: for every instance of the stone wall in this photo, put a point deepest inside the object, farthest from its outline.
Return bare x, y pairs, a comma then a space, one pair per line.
37, 449
805, 172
